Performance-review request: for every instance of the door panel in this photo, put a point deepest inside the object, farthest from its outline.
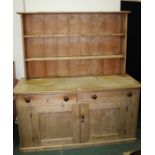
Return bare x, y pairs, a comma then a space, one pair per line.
55, 124
103, 120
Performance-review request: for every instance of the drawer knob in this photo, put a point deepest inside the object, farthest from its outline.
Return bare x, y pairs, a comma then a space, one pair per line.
27, 100
94, 97
66, 98
129, 94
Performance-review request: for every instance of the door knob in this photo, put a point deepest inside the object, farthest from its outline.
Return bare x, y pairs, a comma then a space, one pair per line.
82, 118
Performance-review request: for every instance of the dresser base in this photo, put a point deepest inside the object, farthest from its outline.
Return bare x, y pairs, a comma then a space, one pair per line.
78, 145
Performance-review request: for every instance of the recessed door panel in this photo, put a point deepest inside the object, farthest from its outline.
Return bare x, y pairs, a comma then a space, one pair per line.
55, 124
102, 120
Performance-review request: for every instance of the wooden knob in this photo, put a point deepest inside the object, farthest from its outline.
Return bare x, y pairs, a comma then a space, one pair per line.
82, 117
94, 97
66, 98
27, 100
129, 94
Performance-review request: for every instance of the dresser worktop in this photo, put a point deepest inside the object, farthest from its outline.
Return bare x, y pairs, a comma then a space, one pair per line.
73, 84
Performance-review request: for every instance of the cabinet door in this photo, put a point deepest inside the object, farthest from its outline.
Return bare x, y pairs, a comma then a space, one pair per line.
103, 120
55, 124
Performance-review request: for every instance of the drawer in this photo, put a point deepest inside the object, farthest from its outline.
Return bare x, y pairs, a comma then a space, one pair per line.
47, 99
106, 95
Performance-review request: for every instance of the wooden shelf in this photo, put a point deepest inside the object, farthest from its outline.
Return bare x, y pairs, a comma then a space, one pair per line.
55, 42
76, 58
72, 12
75, 35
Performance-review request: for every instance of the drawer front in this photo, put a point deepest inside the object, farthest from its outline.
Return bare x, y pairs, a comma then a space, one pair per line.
47, 99
106, 95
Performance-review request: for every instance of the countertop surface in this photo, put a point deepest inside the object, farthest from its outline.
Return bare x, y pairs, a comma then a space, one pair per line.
73, 84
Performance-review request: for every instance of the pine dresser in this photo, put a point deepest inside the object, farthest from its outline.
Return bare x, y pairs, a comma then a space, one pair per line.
76, 92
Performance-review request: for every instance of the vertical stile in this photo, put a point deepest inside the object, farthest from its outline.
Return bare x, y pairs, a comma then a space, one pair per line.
57, 63
23, 44
44, 62
114, 45
124, 44
69, 44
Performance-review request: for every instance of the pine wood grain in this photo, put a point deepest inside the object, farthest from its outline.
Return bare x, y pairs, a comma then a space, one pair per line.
70, 36
75, 84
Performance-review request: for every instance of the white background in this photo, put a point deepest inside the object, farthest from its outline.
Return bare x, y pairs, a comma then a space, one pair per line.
51, 5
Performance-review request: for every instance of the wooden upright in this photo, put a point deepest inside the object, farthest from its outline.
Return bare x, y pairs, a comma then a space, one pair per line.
76, 92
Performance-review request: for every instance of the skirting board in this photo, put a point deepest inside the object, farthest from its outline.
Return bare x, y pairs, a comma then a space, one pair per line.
78, 145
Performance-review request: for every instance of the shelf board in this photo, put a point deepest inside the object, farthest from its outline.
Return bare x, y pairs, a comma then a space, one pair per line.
74, 35
76, 58
71, 12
